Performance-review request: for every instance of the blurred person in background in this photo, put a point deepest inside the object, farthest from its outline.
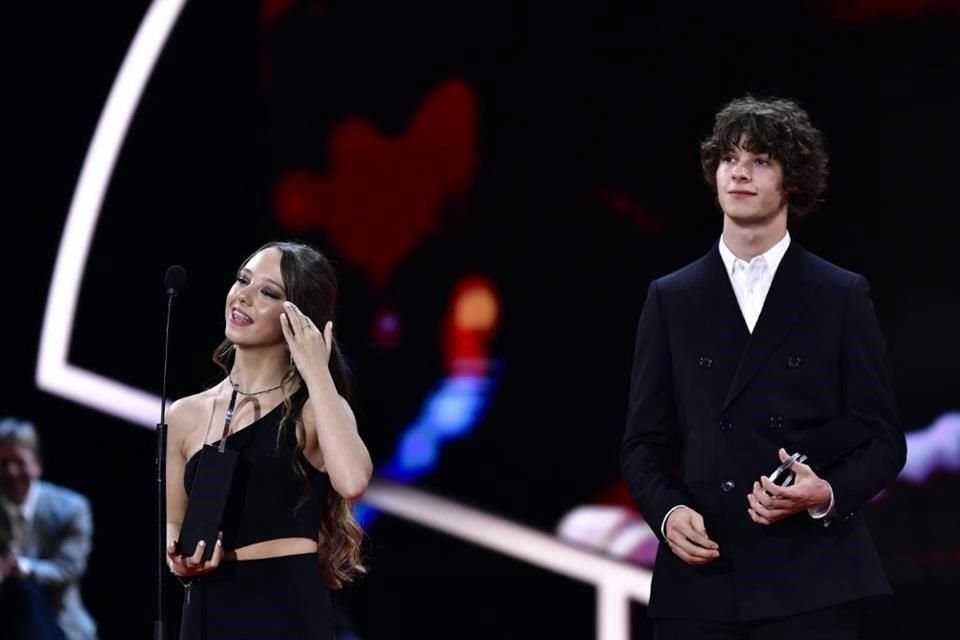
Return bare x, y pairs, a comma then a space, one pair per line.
45, 539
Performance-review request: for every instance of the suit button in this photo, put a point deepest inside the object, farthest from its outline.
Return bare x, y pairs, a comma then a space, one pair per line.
776, 422
728, 486
726, 425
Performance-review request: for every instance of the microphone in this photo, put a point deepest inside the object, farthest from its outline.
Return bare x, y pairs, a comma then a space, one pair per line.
173, 282
175, 279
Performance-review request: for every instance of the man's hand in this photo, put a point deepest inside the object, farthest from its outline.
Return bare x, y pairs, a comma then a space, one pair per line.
688, 539
770, 503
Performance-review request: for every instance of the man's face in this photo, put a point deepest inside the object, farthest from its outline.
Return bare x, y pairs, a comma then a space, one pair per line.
18, 468
750, 186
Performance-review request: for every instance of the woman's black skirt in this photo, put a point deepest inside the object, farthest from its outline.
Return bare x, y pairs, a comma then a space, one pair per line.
277, 598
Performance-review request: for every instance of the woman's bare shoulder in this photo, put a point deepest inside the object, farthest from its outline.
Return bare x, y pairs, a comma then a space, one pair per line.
187, 412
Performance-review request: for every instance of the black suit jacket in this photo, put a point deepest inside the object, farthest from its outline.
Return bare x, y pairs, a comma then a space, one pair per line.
710, 405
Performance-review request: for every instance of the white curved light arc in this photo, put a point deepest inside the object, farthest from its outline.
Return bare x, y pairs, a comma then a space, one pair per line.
617, 582
54, 373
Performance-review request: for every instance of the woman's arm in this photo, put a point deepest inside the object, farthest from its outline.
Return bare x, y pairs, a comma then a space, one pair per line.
327, 416
177, 428
180, 417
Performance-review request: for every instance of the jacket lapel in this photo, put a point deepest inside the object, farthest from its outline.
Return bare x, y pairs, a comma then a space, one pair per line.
41, 519
718, 303
789, 295
722, 334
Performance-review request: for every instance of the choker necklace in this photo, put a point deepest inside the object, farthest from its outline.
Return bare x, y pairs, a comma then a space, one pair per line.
251, 393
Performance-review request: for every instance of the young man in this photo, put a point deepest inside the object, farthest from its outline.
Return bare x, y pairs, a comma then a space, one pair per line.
49, 541
756, 351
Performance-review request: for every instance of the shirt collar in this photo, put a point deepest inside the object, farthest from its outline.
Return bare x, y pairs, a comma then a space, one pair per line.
773, 255
29, 506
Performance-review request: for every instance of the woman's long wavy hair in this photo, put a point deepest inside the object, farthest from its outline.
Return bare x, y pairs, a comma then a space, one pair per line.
311, 284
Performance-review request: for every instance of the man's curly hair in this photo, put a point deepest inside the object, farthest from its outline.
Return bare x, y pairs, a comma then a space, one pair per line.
781, 128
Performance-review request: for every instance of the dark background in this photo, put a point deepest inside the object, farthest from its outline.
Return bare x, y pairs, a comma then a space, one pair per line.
586, 186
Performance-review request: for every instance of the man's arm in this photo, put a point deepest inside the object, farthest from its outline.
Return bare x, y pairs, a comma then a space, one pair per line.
869, 400
651, 420
70, 560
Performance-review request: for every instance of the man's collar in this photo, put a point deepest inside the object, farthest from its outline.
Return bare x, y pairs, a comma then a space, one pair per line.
773, 255
29, 506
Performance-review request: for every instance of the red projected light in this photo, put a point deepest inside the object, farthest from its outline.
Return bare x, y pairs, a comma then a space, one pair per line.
472, 322
381, 195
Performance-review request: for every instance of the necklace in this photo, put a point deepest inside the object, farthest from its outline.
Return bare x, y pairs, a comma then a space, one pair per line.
233, 403
251, 393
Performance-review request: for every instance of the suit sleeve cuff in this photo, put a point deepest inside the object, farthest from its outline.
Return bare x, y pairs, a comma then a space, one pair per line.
823, 512
25, 567
663, 524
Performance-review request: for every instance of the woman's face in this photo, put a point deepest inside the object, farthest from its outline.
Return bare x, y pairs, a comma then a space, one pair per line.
255, 301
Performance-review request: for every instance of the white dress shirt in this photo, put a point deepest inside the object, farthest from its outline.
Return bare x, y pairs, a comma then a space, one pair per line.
751, 280
751, 283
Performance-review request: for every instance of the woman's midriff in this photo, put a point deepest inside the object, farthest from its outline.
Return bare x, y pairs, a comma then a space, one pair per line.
272, 549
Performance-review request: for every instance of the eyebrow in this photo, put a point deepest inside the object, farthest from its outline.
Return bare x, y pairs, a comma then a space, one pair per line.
267, 278
737, 148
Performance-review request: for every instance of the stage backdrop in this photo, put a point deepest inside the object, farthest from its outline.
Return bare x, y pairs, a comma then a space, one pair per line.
497, 184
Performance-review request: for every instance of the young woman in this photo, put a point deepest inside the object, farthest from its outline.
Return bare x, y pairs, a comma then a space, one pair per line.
287, 531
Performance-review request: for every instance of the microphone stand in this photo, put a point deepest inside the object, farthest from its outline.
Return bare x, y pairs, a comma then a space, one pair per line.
159, 625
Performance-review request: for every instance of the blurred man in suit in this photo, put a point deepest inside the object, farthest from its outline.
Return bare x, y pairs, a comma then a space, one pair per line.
48, 541
756, 350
